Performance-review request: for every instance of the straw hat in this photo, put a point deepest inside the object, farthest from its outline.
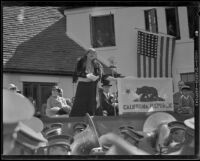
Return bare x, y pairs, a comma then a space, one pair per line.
34, 123
190, 123
155, 119
12, 86
16, 107
29, 134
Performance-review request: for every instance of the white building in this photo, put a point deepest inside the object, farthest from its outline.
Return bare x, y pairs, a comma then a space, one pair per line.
36, 57
83, 23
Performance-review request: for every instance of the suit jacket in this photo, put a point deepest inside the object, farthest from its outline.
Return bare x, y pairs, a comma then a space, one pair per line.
105, 104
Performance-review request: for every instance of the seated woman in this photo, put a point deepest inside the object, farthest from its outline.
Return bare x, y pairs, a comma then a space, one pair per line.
55, 105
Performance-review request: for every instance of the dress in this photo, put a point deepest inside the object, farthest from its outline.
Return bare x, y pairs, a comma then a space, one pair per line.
86, 92
57, 102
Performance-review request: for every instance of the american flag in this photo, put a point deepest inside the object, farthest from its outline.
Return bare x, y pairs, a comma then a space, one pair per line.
154, 54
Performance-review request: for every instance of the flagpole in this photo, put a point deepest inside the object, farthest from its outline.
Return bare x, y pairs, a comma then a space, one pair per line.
159, 33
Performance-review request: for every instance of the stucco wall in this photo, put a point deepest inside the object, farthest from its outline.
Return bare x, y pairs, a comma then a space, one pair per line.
63, 82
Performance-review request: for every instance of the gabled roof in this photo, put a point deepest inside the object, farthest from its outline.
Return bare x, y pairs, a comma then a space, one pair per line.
50, 51
22, 23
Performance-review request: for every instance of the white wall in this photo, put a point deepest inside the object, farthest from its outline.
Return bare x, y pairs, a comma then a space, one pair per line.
126, 19
63, 82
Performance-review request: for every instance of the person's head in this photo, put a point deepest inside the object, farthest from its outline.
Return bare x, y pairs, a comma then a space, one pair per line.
178, 135
54, 91
177, 131
60, 92
13, 88
106, 86
91, 54
185, 90
180, 84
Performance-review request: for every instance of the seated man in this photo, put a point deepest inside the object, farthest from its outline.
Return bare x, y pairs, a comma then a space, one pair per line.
107, 107
177, 95
186, 102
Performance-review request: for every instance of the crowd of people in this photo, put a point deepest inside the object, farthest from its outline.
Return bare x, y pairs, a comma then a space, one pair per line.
93, 97
25, 135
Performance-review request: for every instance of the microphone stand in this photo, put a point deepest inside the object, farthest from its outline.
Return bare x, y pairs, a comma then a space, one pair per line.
112, 67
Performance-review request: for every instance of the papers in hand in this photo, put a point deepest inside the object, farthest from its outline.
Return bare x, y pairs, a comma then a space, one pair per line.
92, 77
55, 109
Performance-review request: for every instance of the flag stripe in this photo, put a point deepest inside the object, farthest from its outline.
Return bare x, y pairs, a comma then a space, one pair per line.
149, 59
139, 65
144, 65
152, 66
161, 54
164, 56
158, 58
170, 57
173, 48
167, 56
155, 67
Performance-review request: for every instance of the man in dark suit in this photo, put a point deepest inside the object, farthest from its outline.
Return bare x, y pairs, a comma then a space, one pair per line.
107, 106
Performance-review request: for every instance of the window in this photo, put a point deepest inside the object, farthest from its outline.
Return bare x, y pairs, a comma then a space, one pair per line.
192, 19
151, 20
39, 92
189, 79
102, 31
172, 22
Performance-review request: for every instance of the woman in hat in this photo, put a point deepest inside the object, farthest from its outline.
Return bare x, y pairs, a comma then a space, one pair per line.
186, 102
88, 73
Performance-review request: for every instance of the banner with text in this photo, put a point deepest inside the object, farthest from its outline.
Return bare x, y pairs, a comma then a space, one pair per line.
145, 94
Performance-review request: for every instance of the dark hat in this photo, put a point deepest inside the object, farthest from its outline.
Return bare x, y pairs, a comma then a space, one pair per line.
53, 132
79, 125
58, 125
176, 125
106, 83
185, 87
60, 139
